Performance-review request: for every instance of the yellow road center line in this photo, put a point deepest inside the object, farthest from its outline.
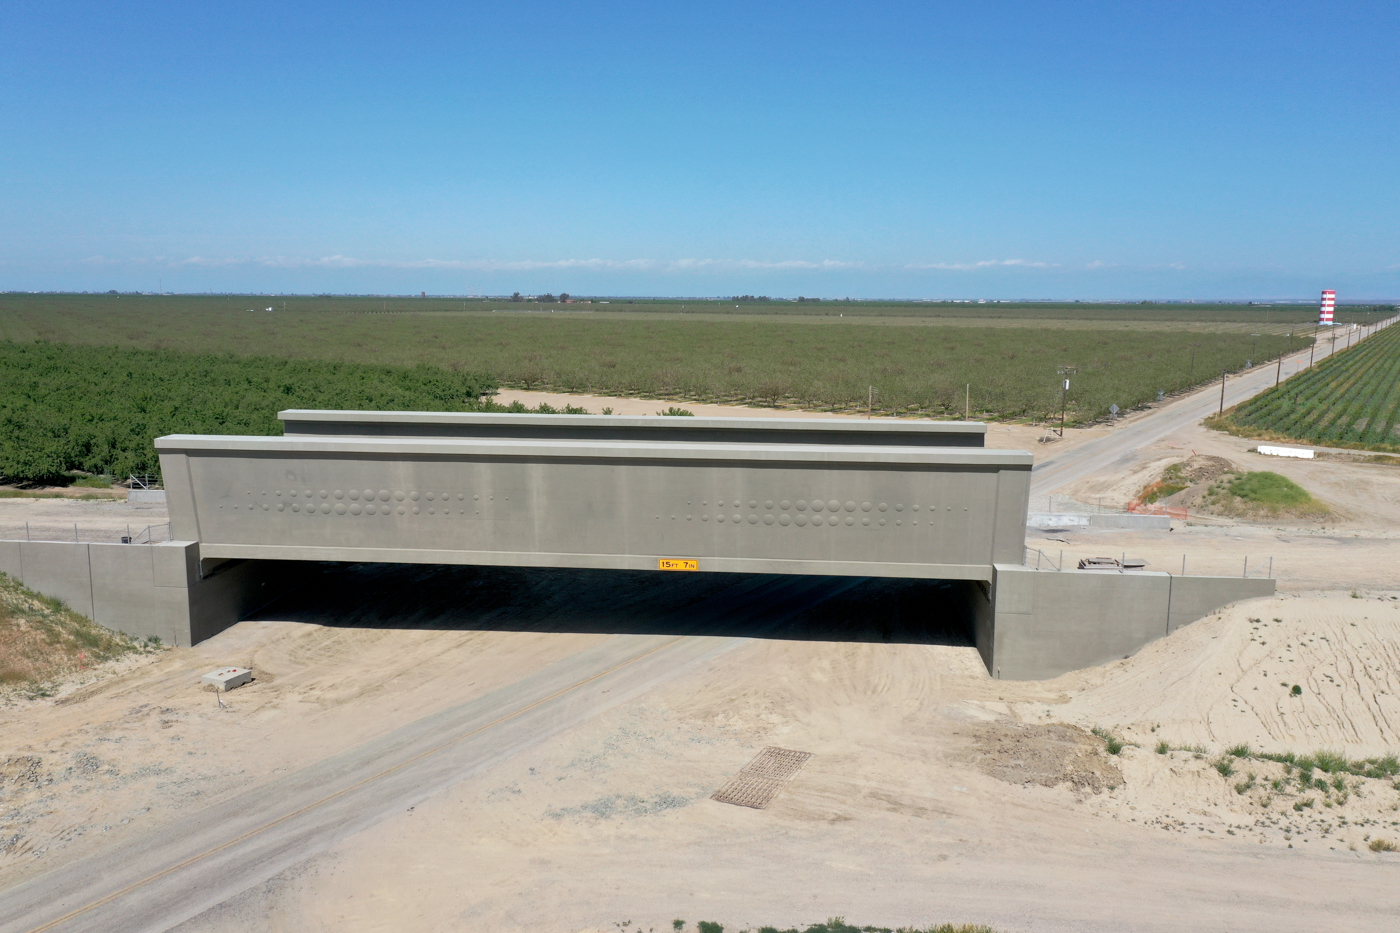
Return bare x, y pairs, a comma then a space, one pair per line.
340, 793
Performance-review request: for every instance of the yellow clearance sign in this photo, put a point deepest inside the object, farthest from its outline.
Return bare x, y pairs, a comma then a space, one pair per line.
677, 563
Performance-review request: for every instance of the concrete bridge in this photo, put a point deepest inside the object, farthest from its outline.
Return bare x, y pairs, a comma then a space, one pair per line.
766, 496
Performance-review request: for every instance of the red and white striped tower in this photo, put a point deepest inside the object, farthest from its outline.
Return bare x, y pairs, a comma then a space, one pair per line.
1329, 302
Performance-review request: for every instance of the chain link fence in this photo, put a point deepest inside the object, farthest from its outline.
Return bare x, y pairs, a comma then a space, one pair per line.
79, 532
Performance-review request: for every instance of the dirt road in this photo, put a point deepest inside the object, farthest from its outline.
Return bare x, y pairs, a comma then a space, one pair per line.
1113, 452
190, 864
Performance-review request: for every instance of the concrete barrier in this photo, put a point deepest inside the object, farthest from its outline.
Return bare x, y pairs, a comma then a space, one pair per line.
883, 432
1127, 520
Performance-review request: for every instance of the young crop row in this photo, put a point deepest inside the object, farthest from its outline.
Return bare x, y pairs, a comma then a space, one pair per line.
97, 409
1351, 399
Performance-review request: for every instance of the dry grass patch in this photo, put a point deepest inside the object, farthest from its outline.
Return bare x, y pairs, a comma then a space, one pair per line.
41, 640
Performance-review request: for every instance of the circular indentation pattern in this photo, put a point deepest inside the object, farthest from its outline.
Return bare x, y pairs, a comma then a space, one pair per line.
415, 510
430, 497
704, 518
768, 519
883, 507
801, 520
801, 505
413, 495
866, 506
850, 520
719, 518
882, 521
281, 506
899, 506
753, 519
753, 504
355, 509
768, 505
340, 508
816, 520
369, 510
850, 506
818, 505
833, 506
785, 505
324, 494
865, 521
737, 518
784, 520
399, 510
296, 507
398, 495
339, 494
354, 495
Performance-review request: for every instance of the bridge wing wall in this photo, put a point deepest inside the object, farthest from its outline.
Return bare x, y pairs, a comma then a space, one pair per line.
939, 513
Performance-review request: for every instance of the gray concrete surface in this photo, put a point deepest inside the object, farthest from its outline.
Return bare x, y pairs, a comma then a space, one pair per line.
1047, 623
144, 590
884, 432
922, 512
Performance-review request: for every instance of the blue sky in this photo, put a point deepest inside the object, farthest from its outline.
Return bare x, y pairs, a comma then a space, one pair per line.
1065, 150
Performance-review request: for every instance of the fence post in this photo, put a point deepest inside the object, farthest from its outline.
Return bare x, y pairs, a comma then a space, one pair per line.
1183, 565
26, 532
75, 532
1246, 566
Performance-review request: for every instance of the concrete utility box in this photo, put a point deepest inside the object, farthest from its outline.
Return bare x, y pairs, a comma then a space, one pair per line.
226, 678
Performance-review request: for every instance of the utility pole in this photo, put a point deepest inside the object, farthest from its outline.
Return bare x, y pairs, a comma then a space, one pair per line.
1222, 392
1065, 371
1312, 348
1279, 375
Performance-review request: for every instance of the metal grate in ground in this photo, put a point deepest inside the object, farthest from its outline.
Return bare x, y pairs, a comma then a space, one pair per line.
759, 781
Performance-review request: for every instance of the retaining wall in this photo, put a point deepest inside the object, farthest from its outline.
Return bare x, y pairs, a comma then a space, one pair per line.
145, 590
1047, 623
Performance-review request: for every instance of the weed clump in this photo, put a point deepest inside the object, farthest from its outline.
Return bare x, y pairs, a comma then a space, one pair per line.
1111, 743
41, 639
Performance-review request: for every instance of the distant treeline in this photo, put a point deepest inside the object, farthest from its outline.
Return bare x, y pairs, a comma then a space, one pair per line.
97, 409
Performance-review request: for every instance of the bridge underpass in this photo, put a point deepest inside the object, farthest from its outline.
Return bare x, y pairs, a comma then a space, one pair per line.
254, 516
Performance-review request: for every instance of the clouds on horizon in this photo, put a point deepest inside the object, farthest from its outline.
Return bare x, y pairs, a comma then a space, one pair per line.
530, 265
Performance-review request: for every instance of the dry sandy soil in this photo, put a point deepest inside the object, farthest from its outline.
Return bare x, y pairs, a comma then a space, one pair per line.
933, 794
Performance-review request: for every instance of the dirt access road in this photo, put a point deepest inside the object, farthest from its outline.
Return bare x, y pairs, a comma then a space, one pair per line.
169, 874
